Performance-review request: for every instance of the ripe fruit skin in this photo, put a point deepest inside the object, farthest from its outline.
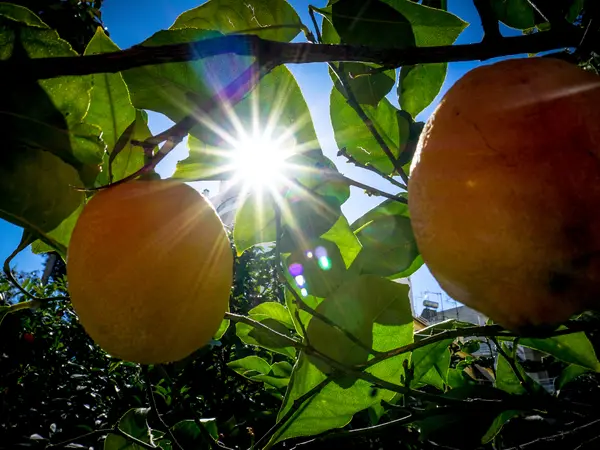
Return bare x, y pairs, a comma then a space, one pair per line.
150, 268
504, 193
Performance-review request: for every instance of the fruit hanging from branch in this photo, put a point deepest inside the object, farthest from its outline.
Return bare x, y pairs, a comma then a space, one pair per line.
150, 270
504, 193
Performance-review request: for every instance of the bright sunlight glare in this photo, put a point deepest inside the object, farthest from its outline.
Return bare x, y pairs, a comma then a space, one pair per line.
259, 161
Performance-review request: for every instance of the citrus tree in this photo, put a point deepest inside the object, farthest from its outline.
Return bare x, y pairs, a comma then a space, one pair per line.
336, 356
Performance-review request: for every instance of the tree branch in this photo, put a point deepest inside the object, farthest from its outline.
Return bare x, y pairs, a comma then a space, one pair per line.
352, 160
277, 53
478, 331
489, 21
155, 408
293, 409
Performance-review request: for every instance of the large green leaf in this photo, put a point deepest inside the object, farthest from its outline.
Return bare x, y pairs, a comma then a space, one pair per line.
317, 267
430, 26
21, 14
368, 88
352, 134
342, 235
37, 192
507, 379
110, 106
254, 222
134, 424
388, 244
175, 89
275, 318
568, 374
435, 356
419, 85
382, 308
499, 422
276, 107
188, 434
47, 114
126, 158
372, 23
573, 348
229, 16
257, 369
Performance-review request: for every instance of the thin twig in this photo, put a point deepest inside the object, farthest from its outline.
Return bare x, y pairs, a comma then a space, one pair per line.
277, 53
343, 152
35, 301
256, 324
155, 408
481, 331
511, 360
230, 95
358, 109
293, 409
370, 189
117, 430
80, 437
582, 433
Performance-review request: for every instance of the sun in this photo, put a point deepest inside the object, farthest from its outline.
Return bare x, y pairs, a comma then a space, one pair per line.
259, 161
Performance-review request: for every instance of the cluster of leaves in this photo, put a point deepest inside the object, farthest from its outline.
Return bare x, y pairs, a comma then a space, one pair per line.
334, 349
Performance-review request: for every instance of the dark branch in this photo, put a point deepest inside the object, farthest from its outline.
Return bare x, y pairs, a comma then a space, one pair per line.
489, 21
277, 53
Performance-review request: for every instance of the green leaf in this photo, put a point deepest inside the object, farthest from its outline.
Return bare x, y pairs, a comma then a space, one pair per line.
389, 248
174, 89
275, 311
110, 106
430, 26
515, 13
222, 329
569, 373
134, 424
290, 301
254, 222
19, 13
319, 267
434, 356
500, 420
573, 348
250, 365
47, 114
58, 239
188, 434
266, 339
341, 235
359, 307
277, 103
125, 158
371, 302
372, 23
441, 428
352, 134
574, 10
368, 89
230, 16
507, 380
419, 85
37, 192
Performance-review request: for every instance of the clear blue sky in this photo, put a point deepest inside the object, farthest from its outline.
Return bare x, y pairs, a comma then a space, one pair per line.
130, 22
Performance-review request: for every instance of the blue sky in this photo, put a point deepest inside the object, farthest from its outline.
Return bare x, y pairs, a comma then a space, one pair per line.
132, 21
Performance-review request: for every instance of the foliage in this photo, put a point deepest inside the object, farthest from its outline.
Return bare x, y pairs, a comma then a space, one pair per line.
340, 364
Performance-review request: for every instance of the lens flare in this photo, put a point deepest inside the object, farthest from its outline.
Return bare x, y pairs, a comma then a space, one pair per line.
304, 292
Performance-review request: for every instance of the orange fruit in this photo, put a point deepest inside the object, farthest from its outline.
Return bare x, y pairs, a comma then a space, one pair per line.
149, 270
504, 191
